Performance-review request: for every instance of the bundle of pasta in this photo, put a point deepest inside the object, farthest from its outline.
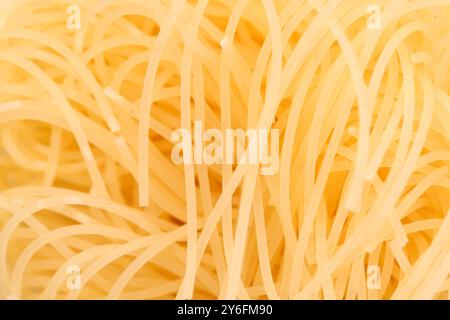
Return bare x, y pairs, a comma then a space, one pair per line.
211, 149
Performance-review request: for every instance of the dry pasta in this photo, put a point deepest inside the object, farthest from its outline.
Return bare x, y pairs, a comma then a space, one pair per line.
340, 185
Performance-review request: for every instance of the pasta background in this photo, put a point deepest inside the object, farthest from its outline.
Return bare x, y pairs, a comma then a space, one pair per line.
92, 205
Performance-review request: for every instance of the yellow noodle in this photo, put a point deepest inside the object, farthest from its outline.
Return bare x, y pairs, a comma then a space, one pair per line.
94, 206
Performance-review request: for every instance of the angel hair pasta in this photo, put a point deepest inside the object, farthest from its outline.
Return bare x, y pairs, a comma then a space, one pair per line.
217, 149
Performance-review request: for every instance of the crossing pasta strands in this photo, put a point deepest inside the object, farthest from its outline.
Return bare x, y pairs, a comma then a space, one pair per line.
215, 149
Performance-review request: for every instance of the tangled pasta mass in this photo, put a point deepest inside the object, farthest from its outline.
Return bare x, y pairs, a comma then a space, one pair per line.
340, 110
